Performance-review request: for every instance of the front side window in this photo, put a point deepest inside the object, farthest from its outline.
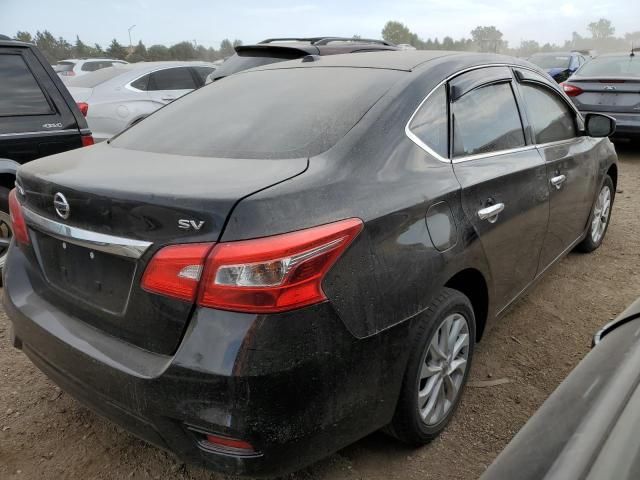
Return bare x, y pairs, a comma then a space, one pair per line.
172, 79
21, 94
550, 117
486, 120
430, 122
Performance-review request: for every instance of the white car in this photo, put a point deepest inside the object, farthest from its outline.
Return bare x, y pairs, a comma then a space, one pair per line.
117, 97
75, 67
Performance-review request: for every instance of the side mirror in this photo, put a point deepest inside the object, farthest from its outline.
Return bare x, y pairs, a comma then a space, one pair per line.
598, 125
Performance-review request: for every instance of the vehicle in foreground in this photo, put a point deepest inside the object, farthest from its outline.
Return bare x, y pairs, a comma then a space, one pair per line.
587, 428
275, 50
610, 84
74, 67
255, 277
115, 98
38, 117
559, 65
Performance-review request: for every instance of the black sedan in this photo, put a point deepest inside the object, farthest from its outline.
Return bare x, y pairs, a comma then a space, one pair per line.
279, 264
588, 428
610, 84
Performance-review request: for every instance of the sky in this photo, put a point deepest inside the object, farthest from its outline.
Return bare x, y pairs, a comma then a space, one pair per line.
208, 22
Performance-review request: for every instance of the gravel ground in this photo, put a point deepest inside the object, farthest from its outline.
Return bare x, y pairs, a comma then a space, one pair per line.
45, 434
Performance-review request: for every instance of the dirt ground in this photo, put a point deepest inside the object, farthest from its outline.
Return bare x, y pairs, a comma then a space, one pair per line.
45, 434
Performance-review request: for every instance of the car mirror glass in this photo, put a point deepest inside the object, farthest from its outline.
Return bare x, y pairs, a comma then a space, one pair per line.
600, 125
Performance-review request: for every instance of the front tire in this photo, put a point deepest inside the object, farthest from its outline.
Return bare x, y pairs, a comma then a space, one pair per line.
600, 217
437, 369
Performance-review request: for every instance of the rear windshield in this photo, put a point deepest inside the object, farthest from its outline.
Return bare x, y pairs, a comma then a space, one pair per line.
63, 67
283, 113
93, 79
551, 61
625, 66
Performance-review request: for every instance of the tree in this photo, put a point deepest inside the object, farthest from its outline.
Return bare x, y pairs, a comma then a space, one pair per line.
139, 53
237, 43
488, 39
226, 48
396, 32
528, 48
601, 29
116, 50
81, 50
158, 53
183, 51
24, 37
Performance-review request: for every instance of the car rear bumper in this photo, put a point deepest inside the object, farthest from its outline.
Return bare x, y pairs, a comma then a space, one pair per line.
297, 387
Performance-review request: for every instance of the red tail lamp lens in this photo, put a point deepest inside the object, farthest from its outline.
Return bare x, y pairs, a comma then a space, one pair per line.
18, 224
229, 443
571, 90
87, 140
84, 108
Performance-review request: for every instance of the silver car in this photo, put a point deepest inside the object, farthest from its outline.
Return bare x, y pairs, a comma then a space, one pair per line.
117, 97
76, 67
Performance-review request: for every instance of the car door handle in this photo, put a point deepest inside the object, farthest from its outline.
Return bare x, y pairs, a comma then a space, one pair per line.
491, 212
558, 180
168, 99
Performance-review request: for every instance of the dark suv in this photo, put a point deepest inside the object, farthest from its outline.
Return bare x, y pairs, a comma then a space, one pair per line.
275, 50
38, 117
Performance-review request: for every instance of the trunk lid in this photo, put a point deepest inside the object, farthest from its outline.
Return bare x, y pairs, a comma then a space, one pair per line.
80, 94
118, 196
606, 94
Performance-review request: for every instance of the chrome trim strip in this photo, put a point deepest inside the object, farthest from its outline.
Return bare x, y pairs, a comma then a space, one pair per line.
125, 247
430, 151
43, 132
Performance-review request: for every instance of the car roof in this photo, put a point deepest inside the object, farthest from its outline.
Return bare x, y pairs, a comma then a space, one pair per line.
404, 60
92, 59
15, 43
553, 54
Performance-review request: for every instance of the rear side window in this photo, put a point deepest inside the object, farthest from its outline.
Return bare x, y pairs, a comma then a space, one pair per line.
203, 72
486, 120
430, 122
551, 118
141, 83
96, 78
172, 79
21, 94
275, 113
92, 66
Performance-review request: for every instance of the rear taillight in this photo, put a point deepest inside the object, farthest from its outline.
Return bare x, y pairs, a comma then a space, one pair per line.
87, 140
84, 108
571, 90
264, 275
18, 225
68, 73
175, 270
229, 444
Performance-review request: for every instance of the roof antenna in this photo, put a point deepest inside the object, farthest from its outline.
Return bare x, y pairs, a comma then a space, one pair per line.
632, 50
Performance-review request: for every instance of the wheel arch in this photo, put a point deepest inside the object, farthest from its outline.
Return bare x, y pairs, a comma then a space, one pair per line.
613, 173
8, 169
472, 283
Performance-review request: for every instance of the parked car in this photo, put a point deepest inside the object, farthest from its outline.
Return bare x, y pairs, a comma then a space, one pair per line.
559, 65
38, 117
74, 67
587, 428
275, 50
117, 97
268, 270
610, 84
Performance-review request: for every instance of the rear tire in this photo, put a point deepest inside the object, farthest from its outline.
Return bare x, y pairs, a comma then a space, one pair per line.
437, 369
5, 227
600, 217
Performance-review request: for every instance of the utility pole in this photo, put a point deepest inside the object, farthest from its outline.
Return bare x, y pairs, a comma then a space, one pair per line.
131, 28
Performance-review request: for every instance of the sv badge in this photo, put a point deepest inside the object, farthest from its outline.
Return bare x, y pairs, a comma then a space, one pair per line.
186, 224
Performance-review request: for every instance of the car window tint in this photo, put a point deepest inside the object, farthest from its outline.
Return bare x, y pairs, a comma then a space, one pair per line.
203, 72
264, 114
626, 65
97, 77
21, 94
486, 120
91, 66
430, 122
550, 117
172, 79
141, 83
63, 67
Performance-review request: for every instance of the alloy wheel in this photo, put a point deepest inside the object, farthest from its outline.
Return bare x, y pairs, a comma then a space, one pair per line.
601, 213
443, 369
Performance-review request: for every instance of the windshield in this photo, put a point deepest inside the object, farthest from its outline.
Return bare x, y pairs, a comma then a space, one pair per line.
94, 79
63, 67
279, 113
245, 60
625, 66
551, 61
